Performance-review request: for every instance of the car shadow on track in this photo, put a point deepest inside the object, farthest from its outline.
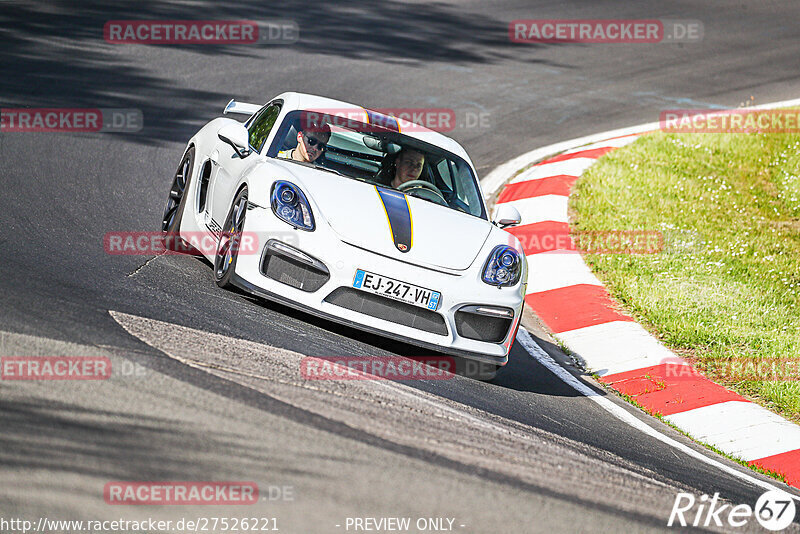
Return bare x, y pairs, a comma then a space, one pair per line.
522, 372
321, 337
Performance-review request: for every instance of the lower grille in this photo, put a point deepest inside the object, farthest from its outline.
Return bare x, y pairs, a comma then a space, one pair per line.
293, 273
482, 327
388, 310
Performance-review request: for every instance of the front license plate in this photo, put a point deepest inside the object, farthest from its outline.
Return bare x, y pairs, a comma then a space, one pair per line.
395, 289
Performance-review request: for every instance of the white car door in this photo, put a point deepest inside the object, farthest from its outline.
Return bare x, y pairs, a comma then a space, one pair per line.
230, 167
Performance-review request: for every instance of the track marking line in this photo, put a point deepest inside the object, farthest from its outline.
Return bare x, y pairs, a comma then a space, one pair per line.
536, 352
463, 414
128, 322
521, 181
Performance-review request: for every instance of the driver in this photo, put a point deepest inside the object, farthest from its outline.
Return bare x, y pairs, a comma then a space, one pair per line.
311, 144
408, 166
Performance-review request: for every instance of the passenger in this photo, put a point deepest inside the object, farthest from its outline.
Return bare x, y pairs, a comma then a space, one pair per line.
407, 166
311, 144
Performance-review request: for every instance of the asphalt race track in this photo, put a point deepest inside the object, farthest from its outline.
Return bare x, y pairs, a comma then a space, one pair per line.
213, 392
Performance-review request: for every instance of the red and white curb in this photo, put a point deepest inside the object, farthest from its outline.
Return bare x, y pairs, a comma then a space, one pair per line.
578, 310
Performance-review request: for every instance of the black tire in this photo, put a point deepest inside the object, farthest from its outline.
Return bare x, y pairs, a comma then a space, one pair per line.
229, 240
176, 202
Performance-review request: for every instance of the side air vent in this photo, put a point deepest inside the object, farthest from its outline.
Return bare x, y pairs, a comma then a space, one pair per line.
205, 175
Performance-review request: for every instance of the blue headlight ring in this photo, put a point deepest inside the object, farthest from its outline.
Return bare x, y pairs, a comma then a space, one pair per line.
298, 203
503, 267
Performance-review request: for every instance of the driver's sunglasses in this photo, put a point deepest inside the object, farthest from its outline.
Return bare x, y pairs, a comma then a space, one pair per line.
313, 142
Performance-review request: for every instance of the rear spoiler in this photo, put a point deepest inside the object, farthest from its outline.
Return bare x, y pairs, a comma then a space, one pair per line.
240, 107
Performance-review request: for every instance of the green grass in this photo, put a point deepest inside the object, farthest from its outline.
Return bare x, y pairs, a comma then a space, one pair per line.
726, 285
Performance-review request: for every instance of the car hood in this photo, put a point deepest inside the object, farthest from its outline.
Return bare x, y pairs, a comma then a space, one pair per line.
440, 237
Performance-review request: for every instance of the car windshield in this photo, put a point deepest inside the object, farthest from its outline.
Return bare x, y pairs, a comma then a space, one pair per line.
382, 157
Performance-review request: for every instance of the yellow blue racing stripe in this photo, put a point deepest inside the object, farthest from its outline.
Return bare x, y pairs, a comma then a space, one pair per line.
383, 121
395, 205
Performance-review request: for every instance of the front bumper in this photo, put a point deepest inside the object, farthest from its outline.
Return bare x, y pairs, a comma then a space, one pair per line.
459, 289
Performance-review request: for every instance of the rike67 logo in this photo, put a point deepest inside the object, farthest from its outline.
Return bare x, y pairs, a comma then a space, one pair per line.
774, 510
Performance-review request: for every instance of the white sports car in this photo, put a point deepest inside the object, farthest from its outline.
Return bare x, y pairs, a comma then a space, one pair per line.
351, 235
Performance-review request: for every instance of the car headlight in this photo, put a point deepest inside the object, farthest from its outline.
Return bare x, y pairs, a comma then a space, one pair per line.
291, 206
503, 268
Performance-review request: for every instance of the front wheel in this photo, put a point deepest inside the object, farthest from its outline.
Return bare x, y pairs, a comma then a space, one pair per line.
229, 241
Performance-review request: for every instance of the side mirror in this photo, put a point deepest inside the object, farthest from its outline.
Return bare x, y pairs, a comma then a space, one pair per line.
236, 135
506, 215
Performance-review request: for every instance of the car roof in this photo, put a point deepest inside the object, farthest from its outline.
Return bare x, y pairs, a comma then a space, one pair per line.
301, 101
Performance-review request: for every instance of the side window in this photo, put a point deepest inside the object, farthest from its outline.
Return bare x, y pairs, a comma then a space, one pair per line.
444, 171
261, 126
469, 192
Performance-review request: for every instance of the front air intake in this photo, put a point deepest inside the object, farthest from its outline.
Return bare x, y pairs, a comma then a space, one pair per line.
388, 310
484, 323
292, 267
